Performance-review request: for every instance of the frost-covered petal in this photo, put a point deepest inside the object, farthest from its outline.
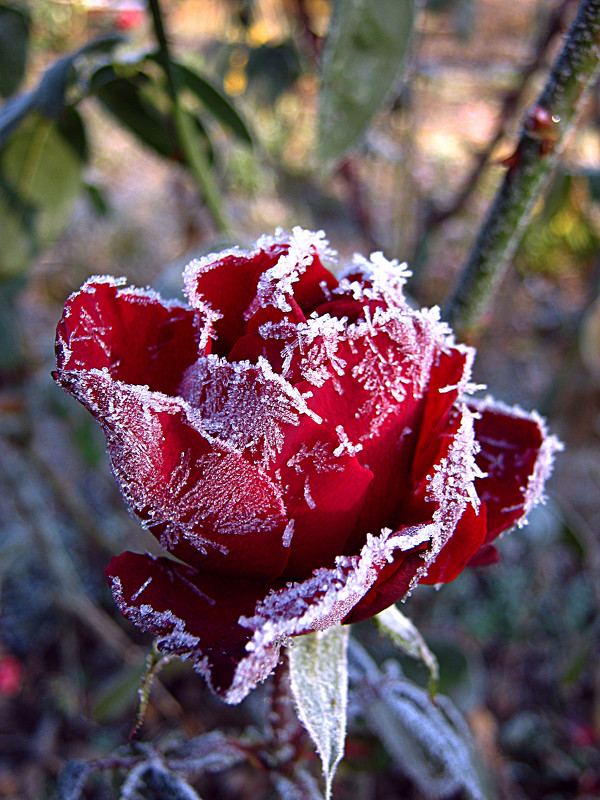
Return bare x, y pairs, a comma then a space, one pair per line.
372, 378
517, 454
204, 502
246, 405
468, 536
238, 283
323, 600
449, 379
227, 283
135, 334
194, 614
323, 487
233, 630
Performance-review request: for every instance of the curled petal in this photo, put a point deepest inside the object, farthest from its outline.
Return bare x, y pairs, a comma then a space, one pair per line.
516, 454
319, 602
239, 284
193, 614
136, 335
201, 499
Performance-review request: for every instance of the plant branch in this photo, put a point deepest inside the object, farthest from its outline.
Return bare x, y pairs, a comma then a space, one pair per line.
554, 25
184, 125
545, 128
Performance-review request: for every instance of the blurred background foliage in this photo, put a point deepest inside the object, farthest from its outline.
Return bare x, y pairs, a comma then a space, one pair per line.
387, 125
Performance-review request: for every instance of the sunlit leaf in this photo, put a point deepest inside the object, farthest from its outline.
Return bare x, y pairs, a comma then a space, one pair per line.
367, 46
43, 174
319, 678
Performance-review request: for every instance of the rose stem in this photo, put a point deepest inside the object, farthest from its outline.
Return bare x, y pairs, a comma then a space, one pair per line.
185, 127
542, 136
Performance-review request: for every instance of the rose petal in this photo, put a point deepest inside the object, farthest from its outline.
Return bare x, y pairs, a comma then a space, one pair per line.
321, 601
229, 629
201, 499
136, 335
466, 539
371, 377
227, 283
516, 455
323, 487
194, 614
238, 283
248, 406
449, 379
392, 584
298, 275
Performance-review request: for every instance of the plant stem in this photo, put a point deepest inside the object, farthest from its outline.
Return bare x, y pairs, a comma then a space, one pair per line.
186, 133
543, 134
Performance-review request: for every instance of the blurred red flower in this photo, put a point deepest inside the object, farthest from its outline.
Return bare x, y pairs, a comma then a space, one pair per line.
304, 445
11, 676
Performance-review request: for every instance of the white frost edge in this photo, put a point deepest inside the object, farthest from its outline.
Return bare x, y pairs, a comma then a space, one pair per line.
213, 260
315, 604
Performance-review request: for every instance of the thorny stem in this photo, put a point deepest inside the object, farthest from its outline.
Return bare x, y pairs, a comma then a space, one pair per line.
555, 24
184, 125
544, 131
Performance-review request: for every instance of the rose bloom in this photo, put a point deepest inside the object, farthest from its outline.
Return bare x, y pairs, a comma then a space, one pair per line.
305, 446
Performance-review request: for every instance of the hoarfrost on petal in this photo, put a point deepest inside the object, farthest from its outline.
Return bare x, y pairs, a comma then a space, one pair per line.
315, 604
246, 405
275, 285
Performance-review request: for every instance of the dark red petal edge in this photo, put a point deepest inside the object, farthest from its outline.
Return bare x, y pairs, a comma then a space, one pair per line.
517, 462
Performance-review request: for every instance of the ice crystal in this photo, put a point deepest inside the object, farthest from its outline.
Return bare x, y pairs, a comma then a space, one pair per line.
275, 285
385, 279
246, 405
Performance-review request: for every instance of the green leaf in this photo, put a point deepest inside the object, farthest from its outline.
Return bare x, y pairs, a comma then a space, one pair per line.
428, 741
124, 98
14, 38
319, 679
367, 45
220, 107
131, 99
48, 98
401, 631
43, 175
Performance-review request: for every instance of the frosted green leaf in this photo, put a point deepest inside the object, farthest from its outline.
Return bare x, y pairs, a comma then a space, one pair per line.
403, 633
367, 46
319, 679
429, 742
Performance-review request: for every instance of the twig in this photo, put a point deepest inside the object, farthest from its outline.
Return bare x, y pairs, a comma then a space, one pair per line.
543, 134
555, 24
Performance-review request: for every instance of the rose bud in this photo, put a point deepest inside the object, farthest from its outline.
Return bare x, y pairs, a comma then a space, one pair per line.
304, 445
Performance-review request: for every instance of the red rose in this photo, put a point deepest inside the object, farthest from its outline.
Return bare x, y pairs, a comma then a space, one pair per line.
302, 445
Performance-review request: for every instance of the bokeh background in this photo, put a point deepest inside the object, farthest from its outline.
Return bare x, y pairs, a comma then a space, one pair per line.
518, 643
